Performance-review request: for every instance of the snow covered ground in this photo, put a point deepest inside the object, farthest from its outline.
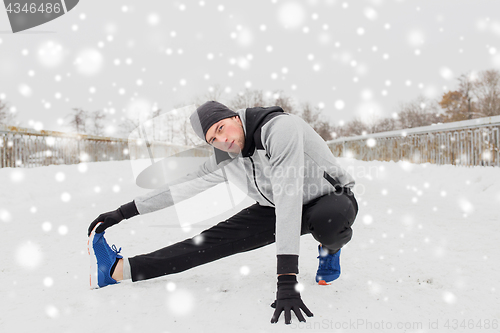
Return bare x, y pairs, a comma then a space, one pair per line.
424, 258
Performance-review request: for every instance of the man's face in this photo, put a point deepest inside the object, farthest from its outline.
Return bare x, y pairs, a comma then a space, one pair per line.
227, 135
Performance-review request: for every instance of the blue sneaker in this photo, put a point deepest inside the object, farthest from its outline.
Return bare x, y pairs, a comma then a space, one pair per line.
102, 259
329, 266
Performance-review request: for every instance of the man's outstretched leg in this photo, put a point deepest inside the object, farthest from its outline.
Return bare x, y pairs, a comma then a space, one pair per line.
251, 228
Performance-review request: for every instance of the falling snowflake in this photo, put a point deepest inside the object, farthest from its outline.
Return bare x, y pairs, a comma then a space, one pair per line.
46, 226
466, 205
291, 15
180, 302
244, 270
17, 176
153, 19
89, 62
50, 54
371, 142
339, 105
25, 90
245, 37
5, 215
65, 197
446, 73
62, 230
370, 13
48, 282
374, 288
52, 311
367, 219
416, 38
170, 286
60, 176
449, 297
29, 255
83, 167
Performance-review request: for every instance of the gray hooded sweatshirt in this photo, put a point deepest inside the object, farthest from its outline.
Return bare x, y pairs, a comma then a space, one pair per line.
288, 168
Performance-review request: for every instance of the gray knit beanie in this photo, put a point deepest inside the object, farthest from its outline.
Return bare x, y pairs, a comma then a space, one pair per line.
208, 114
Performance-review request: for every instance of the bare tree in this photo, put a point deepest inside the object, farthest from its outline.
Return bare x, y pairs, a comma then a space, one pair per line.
487, 91
466, 88
419, 112
180, 129
359, 127
338, 132
98, 122
214, 93
312, 116
86, 122
173, 127
355, 127
132, 122
78, 120
246, 99
384, 125
253, 98
281, 99
457, 106
127, 125
6, 117
325, 130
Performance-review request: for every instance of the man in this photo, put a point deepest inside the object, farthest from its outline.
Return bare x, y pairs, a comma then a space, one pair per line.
284, 165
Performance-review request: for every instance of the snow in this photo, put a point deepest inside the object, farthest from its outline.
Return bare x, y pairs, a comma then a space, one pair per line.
412, 264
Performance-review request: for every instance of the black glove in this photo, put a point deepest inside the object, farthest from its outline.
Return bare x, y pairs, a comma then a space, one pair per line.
114, 217
287, 298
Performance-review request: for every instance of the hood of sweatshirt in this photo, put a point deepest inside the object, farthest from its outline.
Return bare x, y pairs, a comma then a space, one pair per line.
254, 119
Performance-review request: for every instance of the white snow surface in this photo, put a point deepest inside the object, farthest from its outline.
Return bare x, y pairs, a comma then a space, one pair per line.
424, 255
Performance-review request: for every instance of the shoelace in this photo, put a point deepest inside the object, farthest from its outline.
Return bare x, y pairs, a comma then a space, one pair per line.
113, 247
325, 262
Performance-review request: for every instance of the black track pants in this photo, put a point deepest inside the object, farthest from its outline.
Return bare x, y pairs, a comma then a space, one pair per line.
328, 219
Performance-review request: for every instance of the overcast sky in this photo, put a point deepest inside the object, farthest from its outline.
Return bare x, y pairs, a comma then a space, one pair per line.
351, 58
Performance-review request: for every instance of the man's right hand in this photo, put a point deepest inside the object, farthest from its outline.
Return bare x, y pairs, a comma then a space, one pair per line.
108, 219
114, 217
288, 300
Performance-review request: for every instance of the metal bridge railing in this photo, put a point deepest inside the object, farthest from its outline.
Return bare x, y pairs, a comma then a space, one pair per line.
468, 143
21, 147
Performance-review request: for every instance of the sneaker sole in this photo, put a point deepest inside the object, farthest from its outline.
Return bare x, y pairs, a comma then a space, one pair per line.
323, 282
94, 283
